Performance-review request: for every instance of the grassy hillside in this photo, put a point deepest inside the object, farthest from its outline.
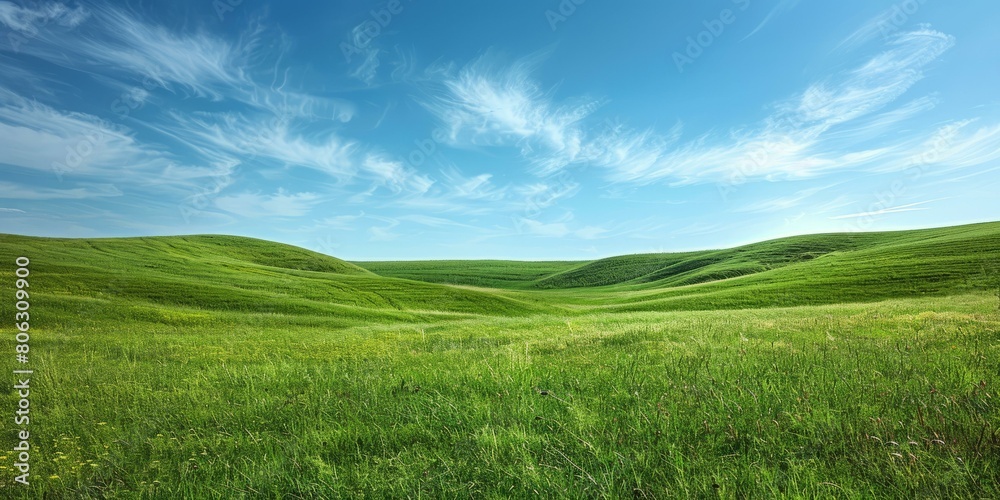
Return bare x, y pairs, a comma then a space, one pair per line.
174, 367
673, 269
665, 269
225, 273
814, 269
885, 400
482, 273
906, 264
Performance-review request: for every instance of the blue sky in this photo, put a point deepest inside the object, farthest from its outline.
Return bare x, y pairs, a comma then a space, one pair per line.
524, 129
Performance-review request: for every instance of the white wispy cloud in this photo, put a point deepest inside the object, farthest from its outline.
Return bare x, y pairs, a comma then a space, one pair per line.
115, 39
363, 53
279, 204
30, 20
953, 146
437, 222
341, 222
12, 210
488, 103
538, 228
25, 79
838, 202
873, 85
805, 136
782, 7
880, 123
476, 187
780, 203
538, 196
884, 25
39, 137
383, 233
626, 150
395, 175
888, 210
12, 191
828, 126
697, 228
111, 41
285, 105
113, 44
254, 137
449, 191
561, 227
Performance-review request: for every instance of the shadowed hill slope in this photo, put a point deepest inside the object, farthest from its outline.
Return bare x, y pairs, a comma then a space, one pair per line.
236, 274
483, 273
808, 257
135, 276
674, 269
936, 262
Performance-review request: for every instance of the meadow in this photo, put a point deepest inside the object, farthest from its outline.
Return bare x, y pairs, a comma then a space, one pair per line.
840, 366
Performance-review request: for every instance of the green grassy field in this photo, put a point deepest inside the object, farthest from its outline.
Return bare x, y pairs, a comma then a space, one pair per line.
843, 366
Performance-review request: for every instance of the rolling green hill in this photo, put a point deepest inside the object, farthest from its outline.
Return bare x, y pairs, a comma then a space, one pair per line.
226, 273
235, 274
907, 264
812, 269
672, 269
482, 273
172, 367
